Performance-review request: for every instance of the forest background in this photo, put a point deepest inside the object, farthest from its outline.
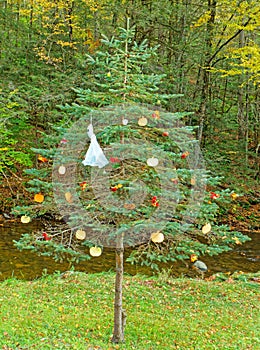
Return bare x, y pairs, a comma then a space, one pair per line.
208, 52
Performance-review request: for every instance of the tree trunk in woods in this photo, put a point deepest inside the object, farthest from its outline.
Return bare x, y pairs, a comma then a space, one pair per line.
212, 5
243, 106
119, 312
203, 104
240, 97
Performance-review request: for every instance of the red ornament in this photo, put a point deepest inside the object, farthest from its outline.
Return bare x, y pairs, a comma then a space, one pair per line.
155, 202
165, 133
156, 115
83, 185
185, 155
114, 160
214, 195
46, 237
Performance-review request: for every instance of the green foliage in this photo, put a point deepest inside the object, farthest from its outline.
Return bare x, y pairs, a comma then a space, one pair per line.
229, 163
115, 76
65, 43
57, 251
13, 129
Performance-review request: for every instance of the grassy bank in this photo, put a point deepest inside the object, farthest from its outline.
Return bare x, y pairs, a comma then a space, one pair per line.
75, 311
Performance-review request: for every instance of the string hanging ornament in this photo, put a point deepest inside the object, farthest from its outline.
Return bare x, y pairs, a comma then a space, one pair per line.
94, 155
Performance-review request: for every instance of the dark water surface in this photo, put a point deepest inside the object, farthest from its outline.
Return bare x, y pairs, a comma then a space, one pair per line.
27, 265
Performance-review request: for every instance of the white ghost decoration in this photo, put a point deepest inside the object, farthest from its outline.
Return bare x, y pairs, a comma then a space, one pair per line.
94, 155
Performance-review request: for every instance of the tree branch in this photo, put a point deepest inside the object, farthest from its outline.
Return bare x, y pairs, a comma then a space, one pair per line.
229, 40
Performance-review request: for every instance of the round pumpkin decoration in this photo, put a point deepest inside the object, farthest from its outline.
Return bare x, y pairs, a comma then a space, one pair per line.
206, 228
80, 234
152, 161
95, 251
157, 237
142, 121
62, 170
25, 219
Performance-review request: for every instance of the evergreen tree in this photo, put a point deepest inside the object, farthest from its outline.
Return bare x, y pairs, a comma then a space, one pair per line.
154, 192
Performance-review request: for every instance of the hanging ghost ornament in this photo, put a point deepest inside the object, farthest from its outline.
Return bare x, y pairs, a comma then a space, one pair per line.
94, 155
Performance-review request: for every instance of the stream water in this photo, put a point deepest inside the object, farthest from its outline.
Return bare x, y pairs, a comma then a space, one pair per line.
27, 265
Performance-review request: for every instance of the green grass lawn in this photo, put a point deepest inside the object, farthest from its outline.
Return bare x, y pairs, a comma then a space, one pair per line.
76, 312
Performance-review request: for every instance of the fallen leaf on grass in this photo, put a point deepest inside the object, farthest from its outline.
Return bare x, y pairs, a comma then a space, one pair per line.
255, 279
210, 278
230, 280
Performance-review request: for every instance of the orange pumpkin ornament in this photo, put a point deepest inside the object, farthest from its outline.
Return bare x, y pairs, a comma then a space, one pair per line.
39, 197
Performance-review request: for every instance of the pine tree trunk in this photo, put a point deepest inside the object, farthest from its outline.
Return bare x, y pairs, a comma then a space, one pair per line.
119, 312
